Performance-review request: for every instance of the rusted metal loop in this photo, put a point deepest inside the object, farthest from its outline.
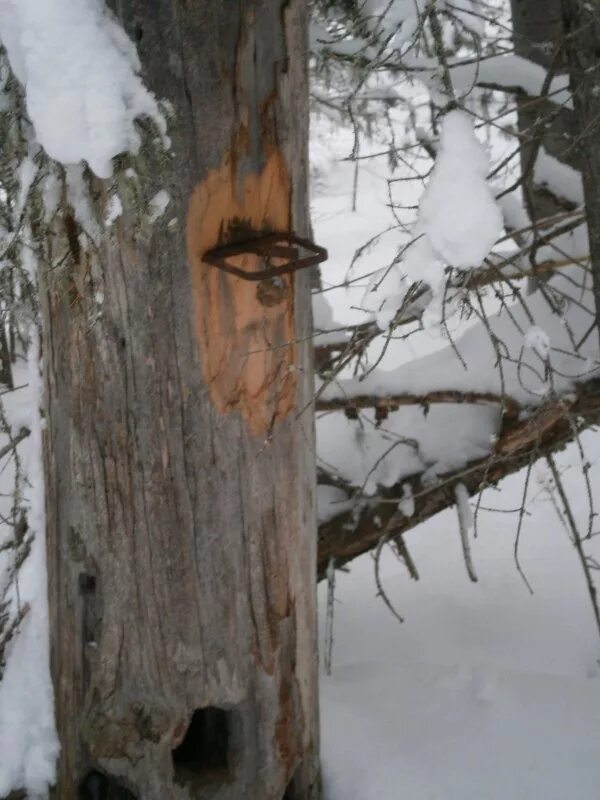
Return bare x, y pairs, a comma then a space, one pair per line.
267, 246
277, 251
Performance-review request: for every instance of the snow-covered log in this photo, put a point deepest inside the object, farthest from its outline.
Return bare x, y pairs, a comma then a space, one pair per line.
347, 535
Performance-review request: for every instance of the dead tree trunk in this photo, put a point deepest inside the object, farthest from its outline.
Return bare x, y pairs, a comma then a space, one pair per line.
538, 34
180, 497
582, 28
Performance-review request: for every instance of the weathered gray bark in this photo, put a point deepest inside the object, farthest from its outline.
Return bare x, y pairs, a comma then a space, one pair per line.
538, 35
582, 26
180, 497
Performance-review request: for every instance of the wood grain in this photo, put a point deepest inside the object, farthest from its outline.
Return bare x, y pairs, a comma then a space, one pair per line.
180, 480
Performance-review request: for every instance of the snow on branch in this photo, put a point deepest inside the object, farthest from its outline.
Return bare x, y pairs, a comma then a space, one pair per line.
561, 179
495, 356
508, 72
459, 220
80, 73
351, 533
383, 405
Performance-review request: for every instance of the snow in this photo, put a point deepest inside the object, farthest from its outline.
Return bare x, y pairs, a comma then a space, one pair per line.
512, 70
28, 741
473, 362
457, 212
459, 220
331, 501
114, 209
485, 691
538, 341
508, 71
407, 503
513, 211
407, 443
81, 78
158, 204
560, 178
79, 200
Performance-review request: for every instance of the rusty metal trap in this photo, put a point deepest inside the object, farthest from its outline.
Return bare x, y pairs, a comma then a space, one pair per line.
296, 253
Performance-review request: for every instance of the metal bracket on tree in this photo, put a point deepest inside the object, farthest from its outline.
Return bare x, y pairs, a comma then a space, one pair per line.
285, 246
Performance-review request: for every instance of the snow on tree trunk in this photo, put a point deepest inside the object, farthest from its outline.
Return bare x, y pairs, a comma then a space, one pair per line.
180, 497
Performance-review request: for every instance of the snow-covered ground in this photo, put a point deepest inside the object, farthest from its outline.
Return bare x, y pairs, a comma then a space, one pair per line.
486, 692
28, 742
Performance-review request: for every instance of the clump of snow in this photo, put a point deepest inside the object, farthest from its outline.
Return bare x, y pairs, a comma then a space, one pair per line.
327, 332
407, 504
561, 179
513, 210
50, 195
409, 443
384, 295
331, 501
114, 209
538, 340
80, 74
158, 204
459, 219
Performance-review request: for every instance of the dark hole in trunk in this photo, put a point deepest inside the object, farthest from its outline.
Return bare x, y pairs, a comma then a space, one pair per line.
289, 793
100, 786
203, 755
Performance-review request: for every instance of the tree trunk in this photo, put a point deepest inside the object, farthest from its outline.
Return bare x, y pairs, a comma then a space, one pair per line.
538, 35
582, 26
180, 496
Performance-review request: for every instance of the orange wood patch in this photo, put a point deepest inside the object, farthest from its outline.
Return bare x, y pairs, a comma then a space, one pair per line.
246, 346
